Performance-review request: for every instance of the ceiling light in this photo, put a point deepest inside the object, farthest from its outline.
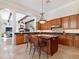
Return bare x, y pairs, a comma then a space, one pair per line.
42, 21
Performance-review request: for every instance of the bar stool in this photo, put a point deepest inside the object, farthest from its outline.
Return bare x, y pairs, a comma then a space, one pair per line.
39, 43
29, 41
26, 40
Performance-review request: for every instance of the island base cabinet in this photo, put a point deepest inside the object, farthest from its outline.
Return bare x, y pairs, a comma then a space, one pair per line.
19, 39
52, 46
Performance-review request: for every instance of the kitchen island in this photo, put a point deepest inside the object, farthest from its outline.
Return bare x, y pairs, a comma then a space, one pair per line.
52, 40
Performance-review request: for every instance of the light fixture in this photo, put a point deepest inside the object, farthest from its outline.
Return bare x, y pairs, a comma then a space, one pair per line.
42, 20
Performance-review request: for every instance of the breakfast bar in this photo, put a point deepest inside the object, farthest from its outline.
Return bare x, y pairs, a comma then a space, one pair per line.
52, 40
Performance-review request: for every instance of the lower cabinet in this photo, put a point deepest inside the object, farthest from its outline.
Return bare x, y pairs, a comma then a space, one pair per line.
69, 40
76, 41
62, 40
19, 39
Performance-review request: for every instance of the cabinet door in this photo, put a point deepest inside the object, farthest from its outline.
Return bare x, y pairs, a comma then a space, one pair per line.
53, 22
62, 40
73, 22
59, 21
38, 26
76, 41
48, 25
70, 40
78, 21
19, 39
65, 22
44, 26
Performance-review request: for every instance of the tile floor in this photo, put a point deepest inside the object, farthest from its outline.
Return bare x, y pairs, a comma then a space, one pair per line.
9, 51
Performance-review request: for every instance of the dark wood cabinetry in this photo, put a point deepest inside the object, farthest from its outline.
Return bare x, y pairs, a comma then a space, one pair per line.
38, 26
19, 38
48, 24
78, 21
69, 40
73, 22
62, 40
68, 22
76, 41
65, 22
56, 22
65, 40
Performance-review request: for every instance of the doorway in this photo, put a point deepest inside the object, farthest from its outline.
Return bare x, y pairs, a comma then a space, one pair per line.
6, 25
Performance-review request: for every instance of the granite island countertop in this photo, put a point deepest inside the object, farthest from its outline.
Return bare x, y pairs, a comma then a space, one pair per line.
38, 33
48, 33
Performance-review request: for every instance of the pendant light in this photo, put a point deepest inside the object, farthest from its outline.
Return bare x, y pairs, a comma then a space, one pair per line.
42, 21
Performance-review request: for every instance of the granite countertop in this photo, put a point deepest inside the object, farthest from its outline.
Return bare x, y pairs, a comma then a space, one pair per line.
45, 33
38, 33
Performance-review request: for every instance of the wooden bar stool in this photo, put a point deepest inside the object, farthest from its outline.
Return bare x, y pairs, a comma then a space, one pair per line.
39, 43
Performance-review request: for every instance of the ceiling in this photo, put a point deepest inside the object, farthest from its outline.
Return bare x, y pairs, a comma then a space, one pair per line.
36, 4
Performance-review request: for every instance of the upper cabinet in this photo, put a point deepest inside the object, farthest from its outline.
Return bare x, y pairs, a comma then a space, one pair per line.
68, 22
65, 22
56, 22
73, 22
38, 26
59, 21
78, 21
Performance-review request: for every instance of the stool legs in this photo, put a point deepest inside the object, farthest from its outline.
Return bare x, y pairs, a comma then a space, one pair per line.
26, 45
34, 51
47, 52
30, 48
39, 52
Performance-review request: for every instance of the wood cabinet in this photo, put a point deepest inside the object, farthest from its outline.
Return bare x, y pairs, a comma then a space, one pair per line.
73, 22
59, 21
69, 40
68, 22
76, 41
78, 21
44, 26
65, 40
62, 40
56, 22
48, 24
53, 22
38, 26
19, 39
52, 45
65, 22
